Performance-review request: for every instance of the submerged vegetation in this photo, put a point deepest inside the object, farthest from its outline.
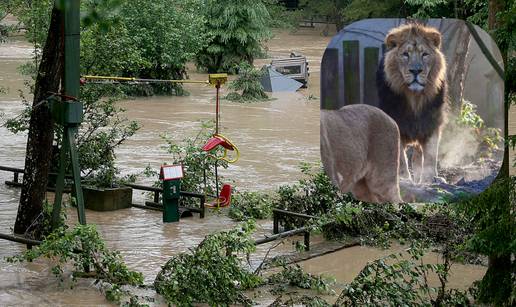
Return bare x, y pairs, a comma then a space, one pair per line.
197, 163
247, 87
397, 281
83, 249
211, 273
251, 205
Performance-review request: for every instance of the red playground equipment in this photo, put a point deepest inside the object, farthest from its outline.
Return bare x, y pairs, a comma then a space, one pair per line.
224, 198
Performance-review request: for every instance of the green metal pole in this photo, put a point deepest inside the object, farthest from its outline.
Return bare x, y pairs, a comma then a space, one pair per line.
71, 88
72, 45
76, 172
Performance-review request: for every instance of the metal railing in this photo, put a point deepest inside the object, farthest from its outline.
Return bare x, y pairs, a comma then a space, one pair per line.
155, 204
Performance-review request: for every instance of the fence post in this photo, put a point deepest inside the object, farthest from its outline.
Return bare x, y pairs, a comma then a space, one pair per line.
330, 83
351, 72
306, 240
275, 222
370, 68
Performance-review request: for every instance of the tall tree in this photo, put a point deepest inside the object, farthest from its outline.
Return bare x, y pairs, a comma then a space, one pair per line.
237, 29
498, 284
41, 134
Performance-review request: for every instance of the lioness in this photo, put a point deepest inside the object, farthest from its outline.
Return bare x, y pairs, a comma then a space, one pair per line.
411, 82
360, 152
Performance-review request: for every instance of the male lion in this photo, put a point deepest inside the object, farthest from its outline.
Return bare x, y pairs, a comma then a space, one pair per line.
360, 152
411, 81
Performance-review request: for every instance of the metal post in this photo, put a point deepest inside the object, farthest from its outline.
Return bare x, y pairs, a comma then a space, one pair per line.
217, 181
217, 109
71, 88
201, 214
156, 196
275, 221
69, 111
76, 172
306, 240
72, 45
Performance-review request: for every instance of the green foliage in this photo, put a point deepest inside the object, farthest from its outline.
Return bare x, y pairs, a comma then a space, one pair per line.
6, 8
295, 276
396, 281
248, 83
197, 163
321, 8
360, 9
505, 37
104, 129
494, 220
305, 300
83, 248
35, 18
314, 195
493, 216
211, 273
374, 225
489, 138
237, 30
146, 39
282, 18
251, 205
429, 8
42, 224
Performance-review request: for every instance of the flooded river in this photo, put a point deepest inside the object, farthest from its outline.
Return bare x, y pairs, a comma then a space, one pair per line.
274, 137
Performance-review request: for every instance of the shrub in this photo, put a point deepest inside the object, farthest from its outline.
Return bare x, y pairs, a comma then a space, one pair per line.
489, 138
211, 273
295, 276
250, 205
197, 163
248, 83
313, 195
493, 218
83, 248
396, 281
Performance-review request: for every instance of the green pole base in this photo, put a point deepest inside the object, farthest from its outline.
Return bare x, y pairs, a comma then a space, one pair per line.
171, 211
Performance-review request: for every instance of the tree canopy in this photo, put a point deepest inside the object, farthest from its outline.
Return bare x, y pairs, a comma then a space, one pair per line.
146, 39
237, 29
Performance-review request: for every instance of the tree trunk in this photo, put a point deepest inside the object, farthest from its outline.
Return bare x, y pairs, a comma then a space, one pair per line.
41, 134
497, 284
495, 6
457, 67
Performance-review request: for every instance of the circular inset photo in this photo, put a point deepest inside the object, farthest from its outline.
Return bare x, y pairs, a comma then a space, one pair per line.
412, 111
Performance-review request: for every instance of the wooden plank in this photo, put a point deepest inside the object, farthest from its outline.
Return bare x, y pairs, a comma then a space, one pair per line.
370, 67
351, 72
330, 80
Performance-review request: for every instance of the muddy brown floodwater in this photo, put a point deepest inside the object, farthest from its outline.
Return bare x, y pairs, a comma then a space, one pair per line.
274, 137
